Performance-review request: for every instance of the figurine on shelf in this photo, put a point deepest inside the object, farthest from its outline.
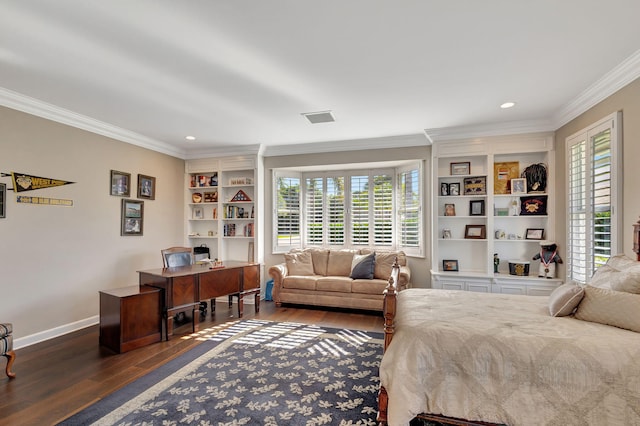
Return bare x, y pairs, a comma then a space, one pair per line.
548, 258
496, 262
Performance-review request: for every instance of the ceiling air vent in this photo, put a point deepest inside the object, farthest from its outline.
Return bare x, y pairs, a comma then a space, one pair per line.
319, 117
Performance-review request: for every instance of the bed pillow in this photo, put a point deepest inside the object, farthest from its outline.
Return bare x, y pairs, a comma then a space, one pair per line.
362, 266
564, 299
603, 276
610, 307
299, 263
628, 280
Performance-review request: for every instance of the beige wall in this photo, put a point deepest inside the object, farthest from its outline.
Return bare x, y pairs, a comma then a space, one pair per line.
54, 260
419, 266
626, 100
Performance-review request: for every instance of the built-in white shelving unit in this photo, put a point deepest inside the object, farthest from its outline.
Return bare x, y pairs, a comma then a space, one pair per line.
475, 215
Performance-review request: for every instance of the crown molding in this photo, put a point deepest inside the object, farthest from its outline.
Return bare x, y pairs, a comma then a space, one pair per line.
225, 151
611, 82
42, 109
347, 145
484, 130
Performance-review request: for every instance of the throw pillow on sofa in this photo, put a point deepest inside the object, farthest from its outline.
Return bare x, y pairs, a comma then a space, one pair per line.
299, 263
362, 266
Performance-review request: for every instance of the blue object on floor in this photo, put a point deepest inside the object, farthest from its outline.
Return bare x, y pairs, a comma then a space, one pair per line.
268, 292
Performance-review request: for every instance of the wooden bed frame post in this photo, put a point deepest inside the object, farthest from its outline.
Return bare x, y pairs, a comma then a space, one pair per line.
389, 313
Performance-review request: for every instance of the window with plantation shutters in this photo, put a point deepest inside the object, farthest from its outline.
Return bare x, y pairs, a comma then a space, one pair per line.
593, 171
409, 202
314, 211
348, 209
287, 203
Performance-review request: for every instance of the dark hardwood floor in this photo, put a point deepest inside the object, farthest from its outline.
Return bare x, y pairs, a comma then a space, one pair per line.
61, 376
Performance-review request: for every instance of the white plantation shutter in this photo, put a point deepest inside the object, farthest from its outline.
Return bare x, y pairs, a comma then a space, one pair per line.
594, 198
335, 211
409, 218
359, 210
350, 209
382, 210
287, 223
314, 211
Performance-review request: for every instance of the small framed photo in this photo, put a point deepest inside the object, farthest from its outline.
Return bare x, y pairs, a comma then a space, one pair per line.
461, 168
132, 218
475, 185
454, 188
449, 265
519, 186
534, 234
476, 208
198, 213
444, 188
146, 187
477, 232
446, 234
120, 183
449, 209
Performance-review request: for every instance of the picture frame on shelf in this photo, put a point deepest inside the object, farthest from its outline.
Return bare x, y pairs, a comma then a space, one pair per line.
444, 189
198, 213
120, 184
146, 187
475, 232
476, 208
132, 217
518, 186
503, 172
446, 234
534, 234
450, 265
454, 188
449, 209
476, 185
535, 205
460, 168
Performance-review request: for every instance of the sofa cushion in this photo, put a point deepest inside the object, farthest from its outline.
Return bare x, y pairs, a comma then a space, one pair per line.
299, 263
340, 263
564, 299
368, 286
320, 260
300, 282
337, 284
362, 266
384, 263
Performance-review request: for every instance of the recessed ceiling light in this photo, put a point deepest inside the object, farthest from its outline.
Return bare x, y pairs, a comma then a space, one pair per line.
190, 138
508, 105
319, 117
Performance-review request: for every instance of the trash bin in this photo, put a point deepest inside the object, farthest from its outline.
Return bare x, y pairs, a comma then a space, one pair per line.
269, 290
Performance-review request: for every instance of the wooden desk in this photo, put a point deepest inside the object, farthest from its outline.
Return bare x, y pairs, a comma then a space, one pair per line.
130, 317
184, 287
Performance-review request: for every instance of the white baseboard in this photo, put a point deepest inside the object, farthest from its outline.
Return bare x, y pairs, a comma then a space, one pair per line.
55, 332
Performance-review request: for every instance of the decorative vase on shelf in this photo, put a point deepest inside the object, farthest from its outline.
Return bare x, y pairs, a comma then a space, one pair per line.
514, 207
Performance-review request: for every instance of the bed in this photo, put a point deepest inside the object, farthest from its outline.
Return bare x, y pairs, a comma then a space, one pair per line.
467, 358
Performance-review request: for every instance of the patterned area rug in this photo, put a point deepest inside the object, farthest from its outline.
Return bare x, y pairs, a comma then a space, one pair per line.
255, 372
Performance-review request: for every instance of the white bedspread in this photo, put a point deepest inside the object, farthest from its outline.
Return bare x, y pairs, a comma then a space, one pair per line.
502, 358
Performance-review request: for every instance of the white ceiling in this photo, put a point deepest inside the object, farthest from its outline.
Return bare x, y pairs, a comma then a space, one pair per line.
238, 74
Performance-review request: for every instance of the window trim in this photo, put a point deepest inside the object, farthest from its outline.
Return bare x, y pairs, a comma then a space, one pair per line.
392, 171
613, 122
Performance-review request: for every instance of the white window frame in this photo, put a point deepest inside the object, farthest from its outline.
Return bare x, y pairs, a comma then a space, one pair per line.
393, 172
588, 264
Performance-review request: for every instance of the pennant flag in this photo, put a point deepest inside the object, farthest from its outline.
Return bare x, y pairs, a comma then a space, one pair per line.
23, 182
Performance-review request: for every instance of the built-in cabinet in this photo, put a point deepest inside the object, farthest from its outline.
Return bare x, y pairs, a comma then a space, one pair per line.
221, 207
476, 218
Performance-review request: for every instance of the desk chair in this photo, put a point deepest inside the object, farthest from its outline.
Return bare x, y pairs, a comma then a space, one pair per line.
6, 347
177, 256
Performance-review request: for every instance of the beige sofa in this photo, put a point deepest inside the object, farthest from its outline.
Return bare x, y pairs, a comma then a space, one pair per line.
324, 277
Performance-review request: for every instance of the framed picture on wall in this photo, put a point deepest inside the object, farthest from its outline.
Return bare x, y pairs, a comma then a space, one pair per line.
3, 197
146, 187
120, 183
132, 217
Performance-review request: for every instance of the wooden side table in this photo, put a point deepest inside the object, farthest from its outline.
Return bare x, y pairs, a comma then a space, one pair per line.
130, 317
